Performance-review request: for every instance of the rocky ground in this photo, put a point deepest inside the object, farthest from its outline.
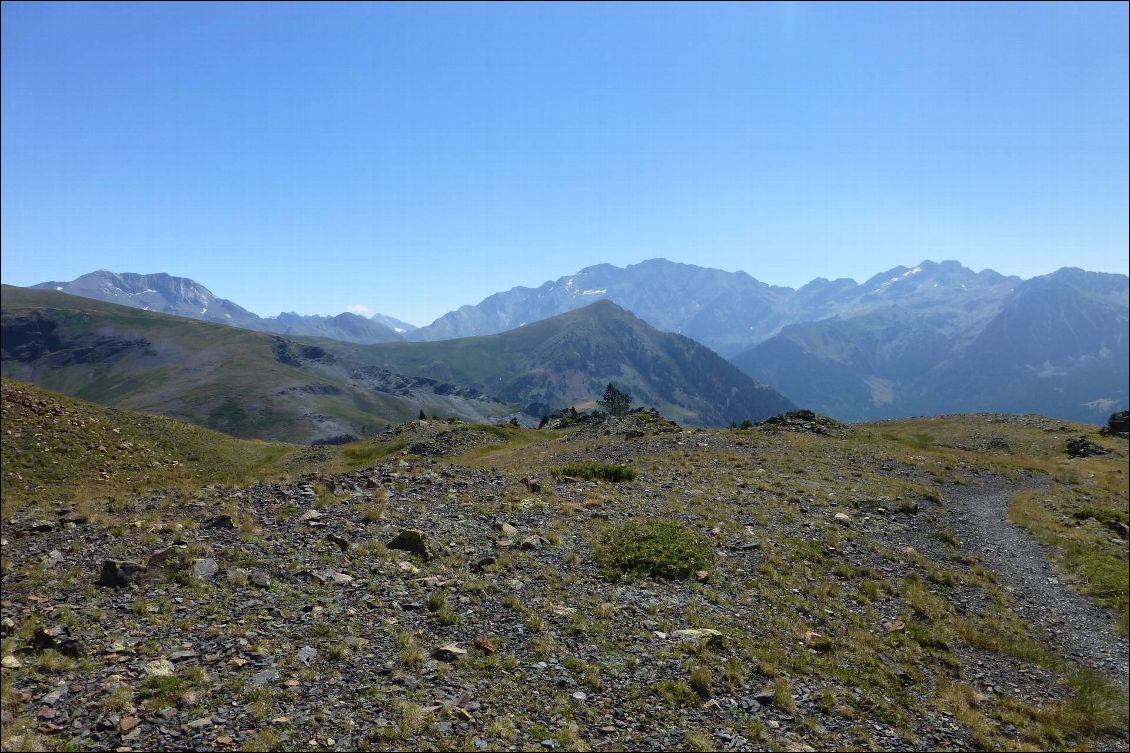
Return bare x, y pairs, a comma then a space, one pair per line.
1075, 626
452, 596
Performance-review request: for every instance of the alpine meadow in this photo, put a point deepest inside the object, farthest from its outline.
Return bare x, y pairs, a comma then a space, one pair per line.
565, 377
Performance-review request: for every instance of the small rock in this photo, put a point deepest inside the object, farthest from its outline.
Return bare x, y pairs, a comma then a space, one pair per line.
260, 579
204, 569
766, 695
58, 639
482, 564
411, 540
219, 521
709, 636
10, 662
160, 556
842, 518
39, 526
507, 530
266, 676
534, 542
128, 722
159, 668
119, 573
449, 652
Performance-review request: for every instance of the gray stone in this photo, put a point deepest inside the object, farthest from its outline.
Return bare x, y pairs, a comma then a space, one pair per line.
268, 675
412, 540
204, 569
119, 573
56, 638
449, 652
219, 521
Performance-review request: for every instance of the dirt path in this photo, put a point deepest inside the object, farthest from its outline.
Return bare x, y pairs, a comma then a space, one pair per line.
1073, 625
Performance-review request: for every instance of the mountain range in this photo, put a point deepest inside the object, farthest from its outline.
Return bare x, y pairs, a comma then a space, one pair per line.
268, 386
933, 338
184, 297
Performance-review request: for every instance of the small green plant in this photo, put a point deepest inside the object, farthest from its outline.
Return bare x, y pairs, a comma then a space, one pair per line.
163, 690
943, 536
702, 681
677, 693
661, 548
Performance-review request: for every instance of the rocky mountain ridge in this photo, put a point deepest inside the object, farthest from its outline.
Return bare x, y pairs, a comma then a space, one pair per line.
181, 296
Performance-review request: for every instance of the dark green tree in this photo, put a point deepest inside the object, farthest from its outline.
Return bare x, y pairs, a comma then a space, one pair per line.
614, 401
422, 417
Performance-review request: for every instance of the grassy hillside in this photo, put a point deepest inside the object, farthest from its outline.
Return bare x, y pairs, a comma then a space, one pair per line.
244, 383
57, 449
253, 384
566, 360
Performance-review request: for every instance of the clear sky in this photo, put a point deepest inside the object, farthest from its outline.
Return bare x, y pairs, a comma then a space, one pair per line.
413, 158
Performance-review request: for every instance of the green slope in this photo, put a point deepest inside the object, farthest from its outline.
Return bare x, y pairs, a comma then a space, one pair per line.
245, 383
571, 358
253, 384
57, 448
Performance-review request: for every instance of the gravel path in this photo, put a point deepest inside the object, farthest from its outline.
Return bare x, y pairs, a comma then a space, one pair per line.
1074, 625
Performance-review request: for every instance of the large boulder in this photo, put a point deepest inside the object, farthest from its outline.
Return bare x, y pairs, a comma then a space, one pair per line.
1118, 424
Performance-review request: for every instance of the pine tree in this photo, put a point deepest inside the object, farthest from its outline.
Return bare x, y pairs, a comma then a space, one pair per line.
617, 403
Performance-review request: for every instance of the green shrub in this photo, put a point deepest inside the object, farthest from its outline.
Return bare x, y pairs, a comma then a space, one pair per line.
592, 470
662, 548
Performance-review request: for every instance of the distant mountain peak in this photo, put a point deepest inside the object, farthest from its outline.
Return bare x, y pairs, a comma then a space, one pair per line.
182, 296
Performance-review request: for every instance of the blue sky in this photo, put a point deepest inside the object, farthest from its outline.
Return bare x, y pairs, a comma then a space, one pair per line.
414, 158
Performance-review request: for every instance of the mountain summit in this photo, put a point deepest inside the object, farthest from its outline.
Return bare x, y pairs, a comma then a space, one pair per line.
728, 312
156, 292
181, 296
569, 359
